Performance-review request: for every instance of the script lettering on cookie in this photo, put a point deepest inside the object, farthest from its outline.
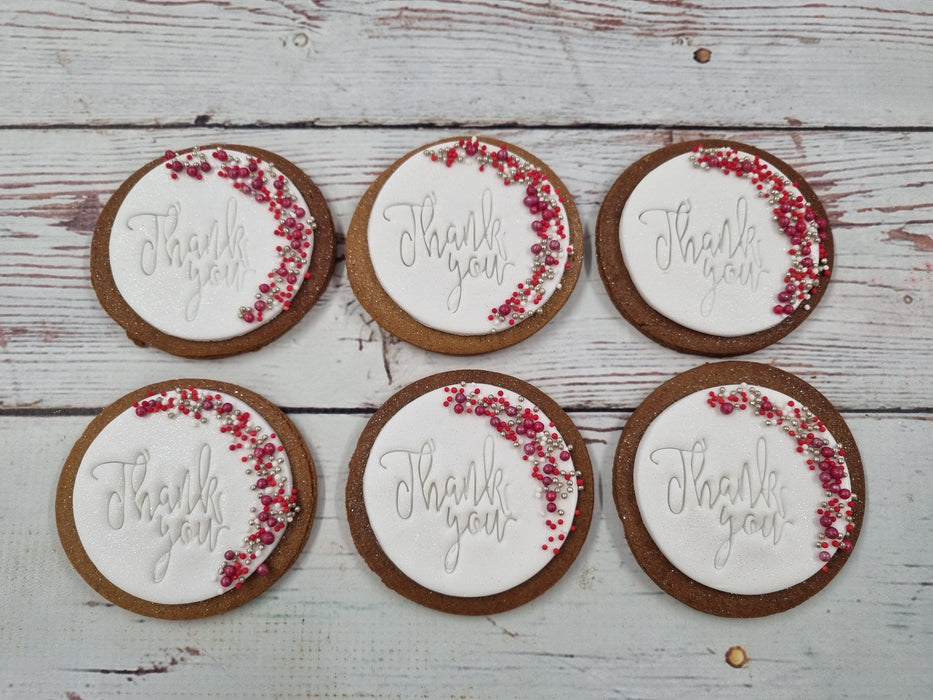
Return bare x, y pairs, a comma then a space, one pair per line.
471, 498
747, 500
468, 249
216, 257
730, 256
183, 512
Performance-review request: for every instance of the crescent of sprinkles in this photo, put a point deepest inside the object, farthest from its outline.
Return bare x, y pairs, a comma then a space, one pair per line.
835, 513
277, 502
540, 444
260, 181
793, 215
544, 202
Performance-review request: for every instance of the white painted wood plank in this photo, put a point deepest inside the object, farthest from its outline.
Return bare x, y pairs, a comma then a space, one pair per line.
59, 348
329, 627
597, 81
149, 62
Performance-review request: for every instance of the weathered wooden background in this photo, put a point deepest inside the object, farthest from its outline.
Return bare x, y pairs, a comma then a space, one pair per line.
91, 90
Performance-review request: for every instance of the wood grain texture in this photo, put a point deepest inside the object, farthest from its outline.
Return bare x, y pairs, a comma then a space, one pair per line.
330, 628
443, 62
59, 347
92, 90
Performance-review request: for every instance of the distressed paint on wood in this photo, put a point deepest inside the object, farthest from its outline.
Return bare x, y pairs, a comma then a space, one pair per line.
59, 348
447, 63
329, 627
841, 91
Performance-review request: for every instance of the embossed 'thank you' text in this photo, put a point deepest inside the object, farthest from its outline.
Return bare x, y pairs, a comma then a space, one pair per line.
213, 258
472, 501
469, 249
186, 512
750, 502
730, 256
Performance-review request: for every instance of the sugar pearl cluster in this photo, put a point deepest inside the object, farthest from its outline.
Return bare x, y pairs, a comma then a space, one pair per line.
823, 457
254, 178
793, 215
264, 457
539, 444
544, 202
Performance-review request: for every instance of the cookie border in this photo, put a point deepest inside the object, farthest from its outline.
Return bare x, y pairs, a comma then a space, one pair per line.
649, 557
637, 311
304, 479
321, 268
368, 546
390, 316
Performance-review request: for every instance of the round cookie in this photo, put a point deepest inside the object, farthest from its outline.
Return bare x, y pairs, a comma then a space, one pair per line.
740, 487
212, 251
713, 247
186, 498
470, 492
465, 246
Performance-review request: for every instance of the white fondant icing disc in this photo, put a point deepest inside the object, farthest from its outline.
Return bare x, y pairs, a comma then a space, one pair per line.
703, 250
729, 500
187, 254
158, 500
454, 505
450, 244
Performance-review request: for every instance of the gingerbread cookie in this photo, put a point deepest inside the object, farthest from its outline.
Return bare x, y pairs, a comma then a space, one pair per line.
470, 492
212, 251
186, 498
465, 246
713, 247
740, 487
